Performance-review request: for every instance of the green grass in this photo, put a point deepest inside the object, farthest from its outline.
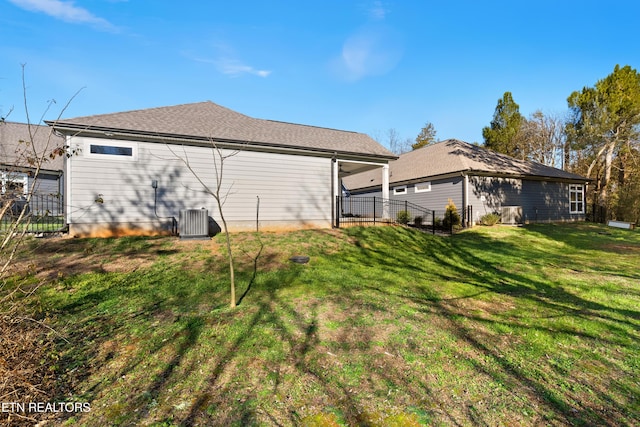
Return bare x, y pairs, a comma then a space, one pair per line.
384, 326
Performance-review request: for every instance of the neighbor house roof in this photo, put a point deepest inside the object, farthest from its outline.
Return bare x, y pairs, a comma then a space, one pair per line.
205, 121
454, 156
16, 150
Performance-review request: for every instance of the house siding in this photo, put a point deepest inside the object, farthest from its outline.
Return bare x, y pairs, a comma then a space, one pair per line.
47, 184
293, 191
436, 199
541, 201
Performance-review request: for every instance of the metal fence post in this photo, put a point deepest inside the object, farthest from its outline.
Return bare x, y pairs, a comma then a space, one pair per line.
433, 222
374, 209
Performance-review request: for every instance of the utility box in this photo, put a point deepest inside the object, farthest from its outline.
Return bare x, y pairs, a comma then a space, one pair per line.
193, 224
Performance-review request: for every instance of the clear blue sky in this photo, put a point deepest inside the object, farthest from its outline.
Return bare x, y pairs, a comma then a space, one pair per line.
361, 65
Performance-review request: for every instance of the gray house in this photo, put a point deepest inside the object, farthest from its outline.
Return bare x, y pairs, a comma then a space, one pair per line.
479, 181
22, 146
137, 172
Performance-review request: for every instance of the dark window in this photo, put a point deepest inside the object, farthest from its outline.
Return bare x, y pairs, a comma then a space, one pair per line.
111, 150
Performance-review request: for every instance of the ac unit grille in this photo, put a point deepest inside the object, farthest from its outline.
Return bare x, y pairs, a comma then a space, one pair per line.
511, 215
193, 224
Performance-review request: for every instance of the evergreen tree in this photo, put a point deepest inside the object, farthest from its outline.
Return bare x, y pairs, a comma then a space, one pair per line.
426, 136
502, 134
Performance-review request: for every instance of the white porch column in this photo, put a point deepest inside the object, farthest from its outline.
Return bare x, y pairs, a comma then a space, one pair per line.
385, 191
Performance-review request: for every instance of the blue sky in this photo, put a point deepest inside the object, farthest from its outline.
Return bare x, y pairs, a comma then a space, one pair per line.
366, 66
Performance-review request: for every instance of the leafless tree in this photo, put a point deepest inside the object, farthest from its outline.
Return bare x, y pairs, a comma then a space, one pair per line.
541, 138
393, 141
220, 196
24, 341
34, 157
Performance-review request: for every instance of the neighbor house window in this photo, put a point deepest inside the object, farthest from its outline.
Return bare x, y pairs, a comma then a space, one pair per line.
423, 187
576, 199
400, 190
14, 185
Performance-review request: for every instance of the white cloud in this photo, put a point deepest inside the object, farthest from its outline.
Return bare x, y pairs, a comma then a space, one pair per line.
226, 62
65, 11
231, 67
236, 68
373, 50
377, 11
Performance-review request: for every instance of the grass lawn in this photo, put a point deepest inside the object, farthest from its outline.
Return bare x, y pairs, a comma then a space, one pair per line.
385, 326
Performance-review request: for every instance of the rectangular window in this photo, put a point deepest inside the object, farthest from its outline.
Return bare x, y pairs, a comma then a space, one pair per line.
576, 199
400, 190
14, 185
423, 187
111, 150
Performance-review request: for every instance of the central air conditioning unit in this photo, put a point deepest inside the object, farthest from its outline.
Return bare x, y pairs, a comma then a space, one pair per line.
193, 224
511, 215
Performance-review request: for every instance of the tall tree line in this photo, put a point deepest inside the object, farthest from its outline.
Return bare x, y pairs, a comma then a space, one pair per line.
598, 138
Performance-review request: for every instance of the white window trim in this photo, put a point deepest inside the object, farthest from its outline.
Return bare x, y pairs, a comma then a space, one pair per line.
577, 189
423, 190
18, 178
132, 158
401, 189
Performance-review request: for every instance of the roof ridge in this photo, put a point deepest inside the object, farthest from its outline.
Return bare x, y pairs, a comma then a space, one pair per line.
149, 109
310, 126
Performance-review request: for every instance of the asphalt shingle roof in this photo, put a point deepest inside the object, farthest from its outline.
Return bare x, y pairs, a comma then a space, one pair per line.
453, 156
15, 153
207, 120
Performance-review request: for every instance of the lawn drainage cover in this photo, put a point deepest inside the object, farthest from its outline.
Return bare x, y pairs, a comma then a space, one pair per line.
299, 259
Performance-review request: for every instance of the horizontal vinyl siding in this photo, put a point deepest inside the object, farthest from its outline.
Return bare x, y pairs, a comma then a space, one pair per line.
46, 185
436, 199
541, 201
544, 201
291, 188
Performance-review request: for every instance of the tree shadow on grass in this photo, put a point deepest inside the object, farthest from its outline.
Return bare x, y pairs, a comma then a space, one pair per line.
457, 258
217, 356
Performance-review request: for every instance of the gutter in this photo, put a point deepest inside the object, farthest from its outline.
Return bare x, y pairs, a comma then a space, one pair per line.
111, 133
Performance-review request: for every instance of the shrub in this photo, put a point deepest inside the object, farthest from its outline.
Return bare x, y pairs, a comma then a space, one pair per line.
403, 217
490, 219
417, 221
451, 216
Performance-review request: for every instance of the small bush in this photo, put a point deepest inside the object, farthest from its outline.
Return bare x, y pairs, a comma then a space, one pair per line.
490, 219
403, 217
451, 216
417, 221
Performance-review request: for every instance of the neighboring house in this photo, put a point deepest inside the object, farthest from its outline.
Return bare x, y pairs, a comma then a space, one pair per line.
479, 181
126, 175
22, 148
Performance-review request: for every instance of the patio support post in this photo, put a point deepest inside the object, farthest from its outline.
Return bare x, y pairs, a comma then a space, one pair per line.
385, 191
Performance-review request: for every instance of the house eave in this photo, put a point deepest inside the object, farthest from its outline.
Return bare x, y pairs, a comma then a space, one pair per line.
474, 172
134, 135
581, 180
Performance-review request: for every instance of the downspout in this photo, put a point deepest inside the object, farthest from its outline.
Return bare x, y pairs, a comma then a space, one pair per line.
465, 198
174, 222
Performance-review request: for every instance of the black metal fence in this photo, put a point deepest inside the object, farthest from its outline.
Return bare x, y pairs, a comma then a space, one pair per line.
42, 214
355, 210
596, 213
